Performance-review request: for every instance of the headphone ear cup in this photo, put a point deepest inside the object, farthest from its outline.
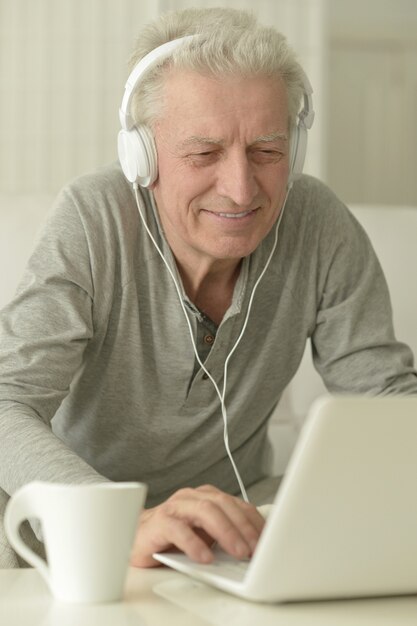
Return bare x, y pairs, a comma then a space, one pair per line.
137, 155
298, 148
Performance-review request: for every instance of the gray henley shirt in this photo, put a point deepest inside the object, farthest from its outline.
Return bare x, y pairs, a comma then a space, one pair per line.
98, 379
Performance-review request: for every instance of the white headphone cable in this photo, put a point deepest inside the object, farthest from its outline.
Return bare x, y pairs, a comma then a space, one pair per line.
221, 395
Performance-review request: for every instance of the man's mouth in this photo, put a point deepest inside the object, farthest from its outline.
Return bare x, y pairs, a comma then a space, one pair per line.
236, 215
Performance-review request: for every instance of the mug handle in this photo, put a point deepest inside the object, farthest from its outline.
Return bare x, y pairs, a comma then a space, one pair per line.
20, 508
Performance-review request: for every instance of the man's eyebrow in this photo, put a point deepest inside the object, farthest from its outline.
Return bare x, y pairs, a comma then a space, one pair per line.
196, 139
199, 140
271, 137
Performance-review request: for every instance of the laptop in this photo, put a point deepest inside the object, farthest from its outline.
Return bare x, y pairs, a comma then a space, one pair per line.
344, 521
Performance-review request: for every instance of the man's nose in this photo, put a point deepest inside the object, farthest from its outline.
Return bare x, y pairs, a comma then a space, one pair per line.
236, 180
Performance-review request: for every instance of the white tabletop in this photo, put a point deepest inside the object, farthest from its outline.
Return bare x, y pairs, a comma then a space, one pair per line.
160, 596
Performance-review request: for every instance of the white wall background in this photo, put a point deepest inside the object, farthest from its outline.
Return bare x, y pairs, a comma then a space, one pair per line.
372, 100
63, 67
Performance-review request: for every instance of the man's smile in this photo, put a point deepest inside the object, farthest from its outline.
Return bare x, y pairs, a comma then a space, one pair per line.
231, 215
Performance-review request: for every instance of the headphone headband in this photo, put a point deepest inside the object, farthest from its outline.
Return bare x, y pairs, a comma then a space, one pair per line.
147, 63
306, 115
136, 146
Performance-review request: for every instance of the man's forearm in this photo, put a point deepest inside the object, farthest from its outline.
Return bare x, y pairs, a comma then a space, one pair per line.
30, 451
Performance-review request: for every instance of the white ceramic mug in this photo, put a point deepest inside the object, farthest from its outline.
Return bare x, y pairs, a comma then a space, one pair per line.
88, 531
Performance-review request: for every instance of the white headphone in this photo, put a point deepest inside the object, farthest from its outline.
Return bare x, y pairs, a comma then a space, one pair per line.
138, 158
136, 145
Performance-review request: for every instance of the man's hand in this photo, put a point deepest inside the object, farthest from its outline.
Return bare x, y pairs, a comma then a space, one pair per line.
192, 520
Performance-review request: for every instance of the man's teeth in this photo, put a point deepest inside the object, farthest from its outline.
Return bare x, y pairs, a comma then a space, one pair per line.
235, 214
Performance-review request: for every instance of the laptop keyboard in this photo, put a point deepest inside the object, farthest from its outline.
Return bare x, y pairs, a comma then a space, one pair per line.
223, 566
226, 566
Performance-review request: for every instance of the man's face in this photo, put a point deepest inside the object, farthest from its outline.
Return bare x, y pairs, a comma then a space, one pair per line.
222, 164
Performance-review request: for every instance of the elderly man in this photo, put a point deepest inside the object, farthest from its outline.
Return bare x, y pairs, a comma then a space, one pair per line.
168, 303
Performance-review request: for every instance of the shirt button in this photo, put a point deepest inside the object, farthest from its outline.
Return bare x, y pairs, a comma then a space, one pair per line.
205, 376
209, 339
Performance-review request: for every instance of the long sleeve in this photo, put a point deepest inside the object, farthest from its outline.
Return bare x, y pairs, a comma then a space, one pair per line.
354, 346
44, 332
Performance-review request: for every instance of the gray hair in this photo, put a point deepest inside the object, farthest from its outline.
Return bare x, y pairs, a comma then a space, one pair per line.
231, 42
